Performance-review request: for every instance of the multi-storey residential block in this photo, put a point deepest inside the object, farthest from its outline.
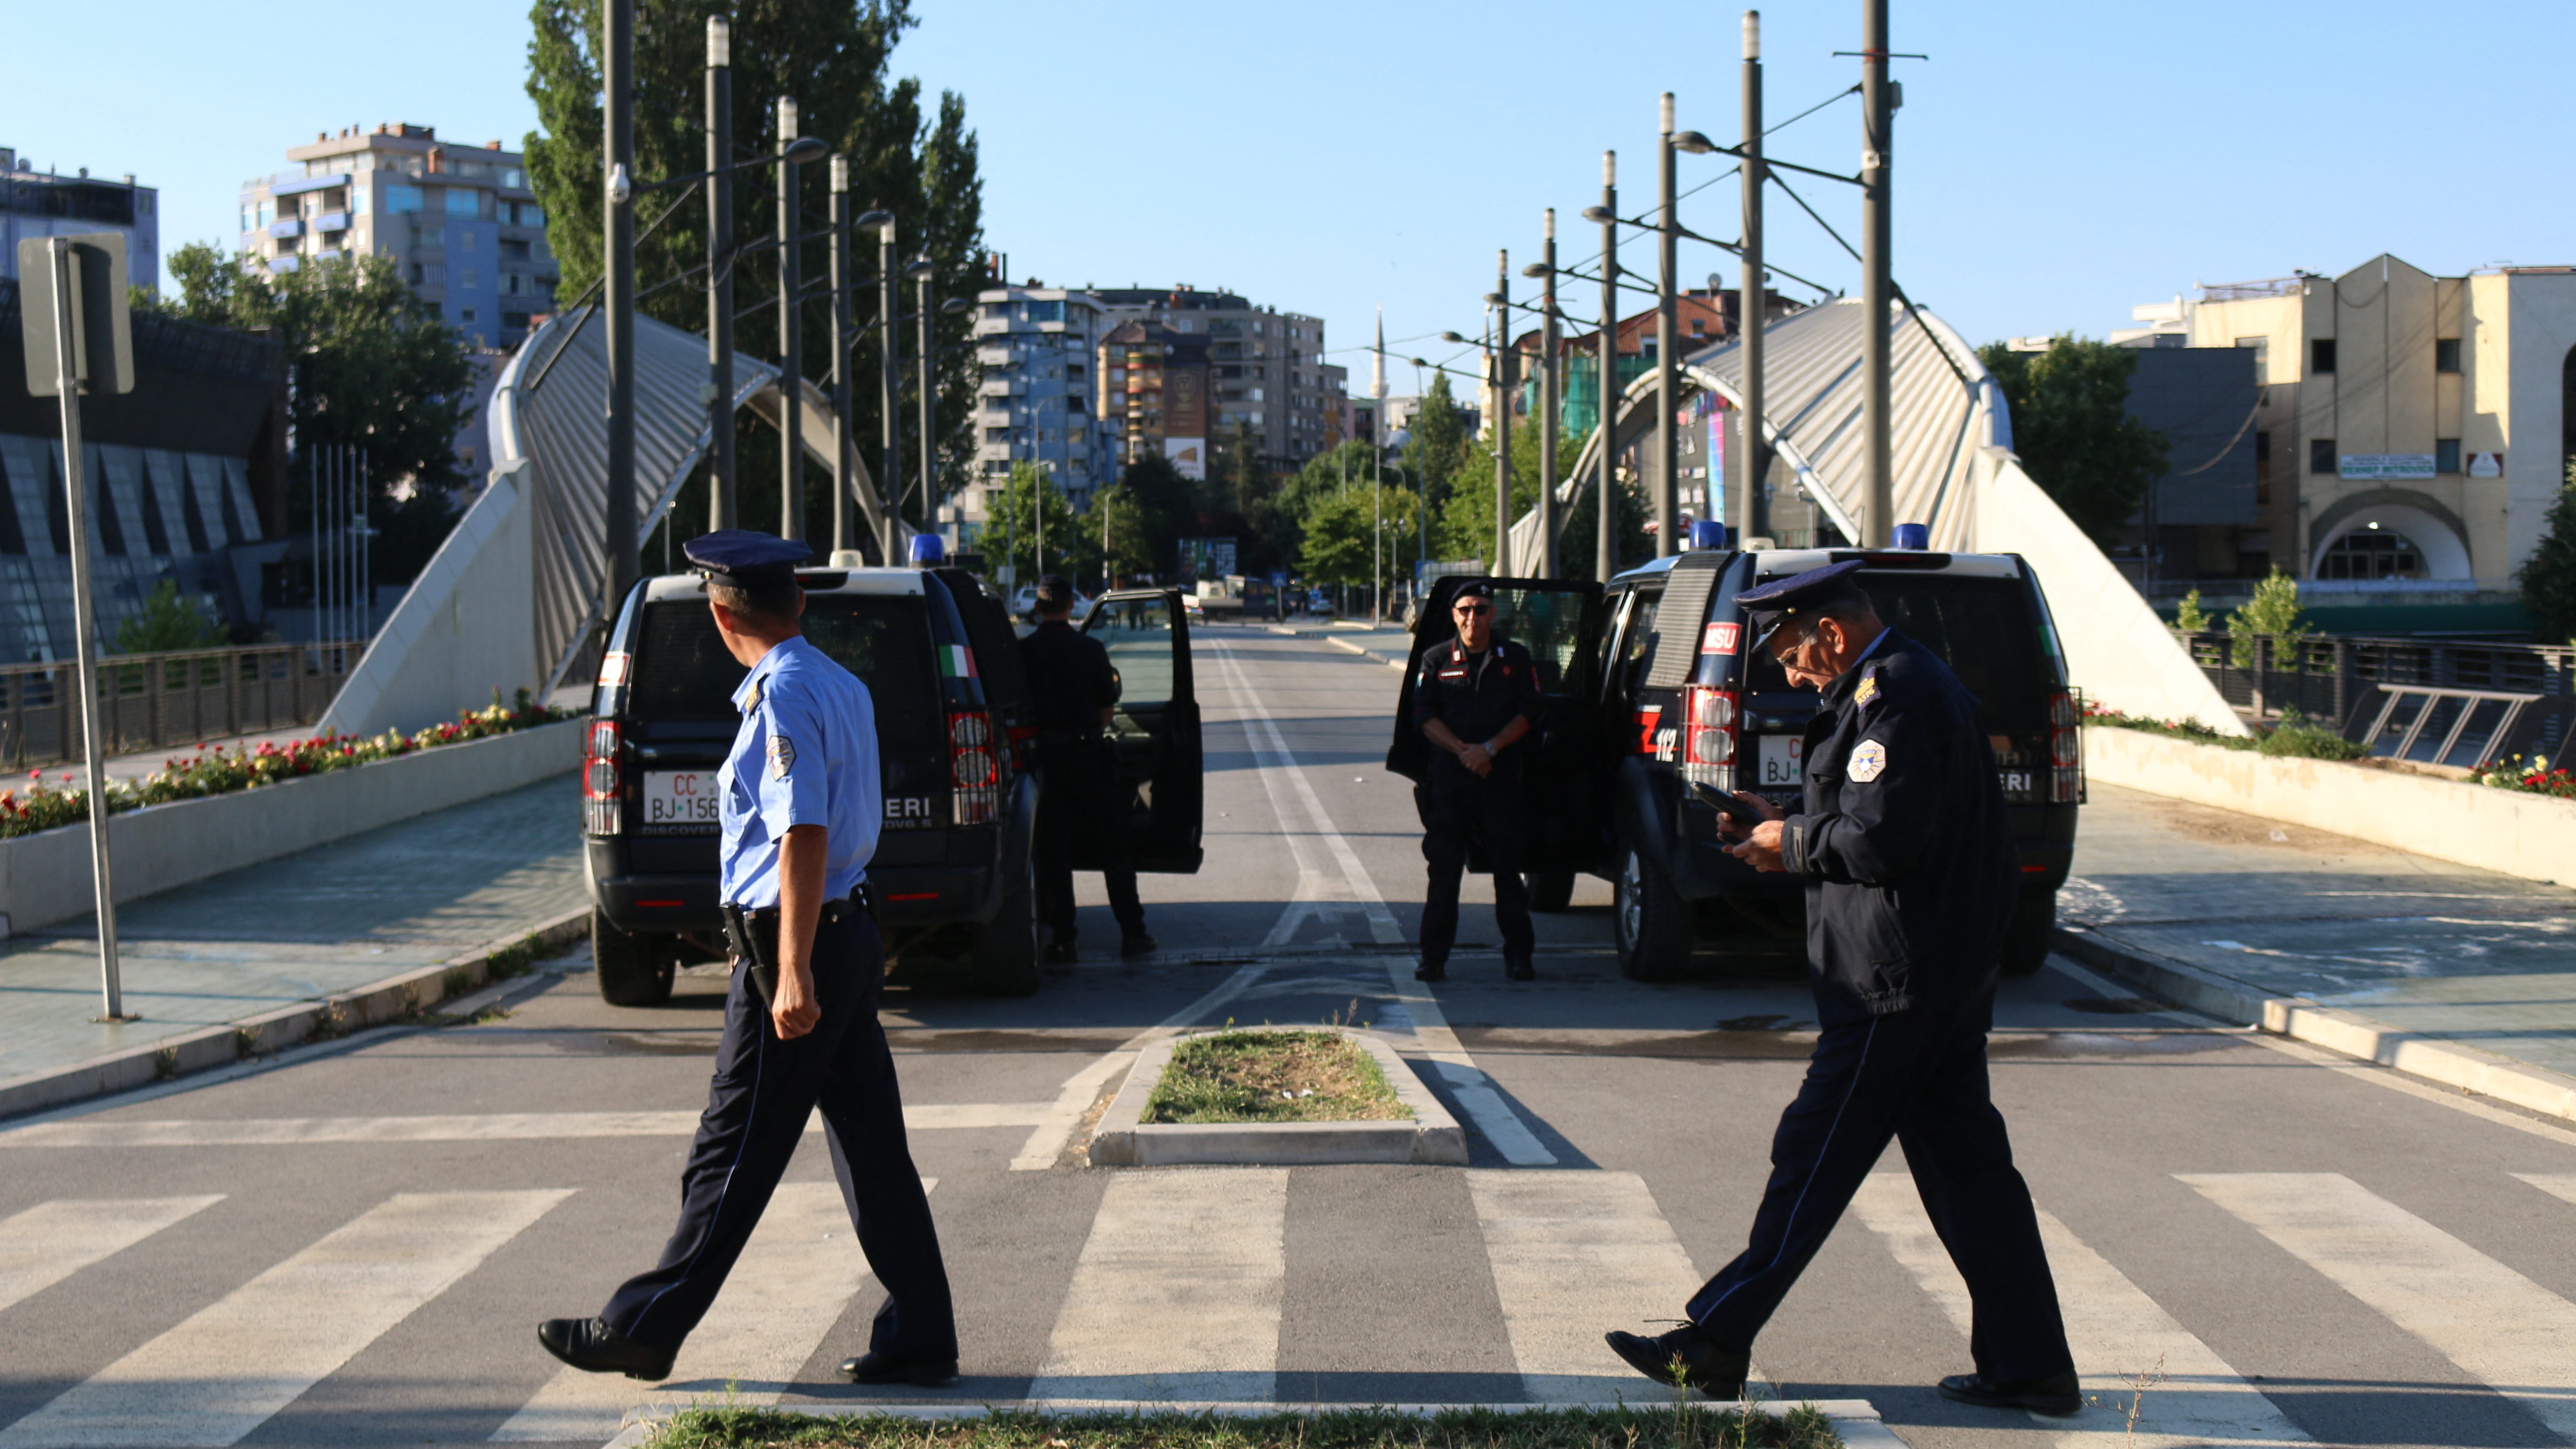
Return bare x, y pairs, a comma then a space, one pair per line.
42, 203
1038, 346
1268, 371
459, 222
1155, 380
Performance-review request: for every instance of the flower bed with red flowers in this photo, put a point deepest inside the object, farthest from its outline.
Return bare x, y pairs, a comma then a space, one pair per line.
2532, 776
42, 805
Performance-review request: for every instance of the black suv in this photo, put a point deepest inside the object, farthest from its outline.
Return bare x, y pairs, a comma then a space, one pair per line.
951, 876
1651, 682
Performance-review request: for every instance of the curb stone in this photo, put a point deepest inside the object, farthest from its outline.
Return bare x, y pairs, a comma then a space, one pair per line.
1124, 1139
2418, 1054
338, 1014
1348, 647
1855, 1421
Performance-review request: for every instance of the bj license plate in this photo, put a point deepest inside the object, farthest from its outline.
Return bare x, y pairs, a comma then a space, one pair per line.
680, 797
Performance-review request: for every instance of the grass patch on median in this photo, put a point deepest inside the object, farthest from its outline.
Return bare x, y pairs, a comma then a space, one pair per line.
1273, 1076
1710, 1426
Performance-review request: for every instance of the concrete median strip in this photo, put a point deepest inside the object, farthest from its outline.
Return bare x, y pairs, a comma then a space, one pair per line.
1125, 1139
2434, 1058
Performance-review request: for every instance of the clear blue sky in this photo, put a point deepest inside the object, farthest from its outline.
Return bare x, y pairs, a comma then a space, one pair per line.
2056, 163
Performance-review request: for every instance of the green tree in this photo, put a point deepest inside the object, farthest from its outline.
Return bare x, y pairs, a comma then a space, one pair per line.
1034, 512
2189, 616
1578, 543
1117, 515
832, 56
2548, 577
1350, 536
2072, 428
1166, 506
2274, 610
168, 620
1466, 522
1436, 446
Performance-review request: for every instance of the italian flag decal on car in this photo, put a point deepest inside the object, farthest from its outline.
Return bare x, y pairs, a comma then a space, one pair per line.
956, 661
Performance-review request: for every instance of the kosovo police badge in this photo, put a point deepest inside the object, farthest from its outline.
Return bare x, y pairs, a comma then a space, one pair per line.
782, 756
1868, 761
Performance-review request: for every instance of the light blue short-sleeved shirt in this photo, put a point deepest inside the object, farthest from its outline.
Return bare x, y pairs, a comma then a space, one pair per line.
806, 754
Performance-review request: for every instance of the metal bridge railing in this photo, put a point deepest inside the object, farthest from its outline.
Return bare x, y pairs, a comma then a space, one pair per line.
153, 701
2336, 680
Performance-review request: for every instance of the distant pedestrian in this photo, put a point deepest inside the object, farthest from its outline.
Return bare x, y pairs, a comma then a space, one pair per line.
1910, 874
799, 811
1074, 689
1474, 698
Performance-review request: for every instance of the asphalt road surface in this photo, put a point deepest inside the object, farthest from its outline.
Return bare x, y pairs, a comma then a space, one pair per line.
351, 1245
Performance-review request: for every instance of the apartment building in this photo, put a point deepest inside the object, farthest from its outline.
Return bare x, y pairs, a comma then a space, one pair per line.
1155, 383
1039, 346
459, 222
1268, 369
2407, 426
43, 203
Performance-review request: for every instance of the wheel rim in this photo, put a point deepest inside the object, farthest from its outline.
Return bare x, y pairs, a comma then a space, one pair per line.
1632, 898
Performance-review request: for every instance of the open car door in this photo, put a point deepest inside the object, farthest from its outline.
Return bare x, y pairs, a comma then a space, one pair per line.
1155, 731
1555, 620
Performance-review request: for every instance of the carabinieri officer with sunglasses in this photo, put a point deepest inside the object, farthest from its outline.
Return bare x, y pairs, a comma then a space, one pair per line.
800, 813
1474, 699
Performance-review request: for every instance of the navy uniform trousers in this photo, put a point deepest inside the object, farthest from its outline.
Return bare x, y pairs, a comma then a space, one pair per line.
1078, 803
764, 1092
1458, 805
1918, 1076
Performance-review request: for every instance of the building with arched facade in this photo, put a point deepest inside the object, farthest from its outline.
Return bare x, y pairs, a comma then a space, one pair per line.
2410, 427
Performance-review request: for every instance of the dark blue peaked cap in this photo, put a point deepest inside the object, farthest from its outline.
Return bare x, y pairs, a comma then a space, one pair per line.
1797, 596
743, 558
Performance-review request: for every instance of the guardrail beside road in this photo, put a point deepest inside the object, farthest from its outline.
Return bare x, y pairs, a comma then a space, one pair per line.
2337, 679
156, 700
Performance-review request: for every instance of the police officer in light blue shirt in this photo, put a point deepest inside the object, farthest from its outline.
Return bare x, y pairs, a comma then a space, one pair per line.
800, 813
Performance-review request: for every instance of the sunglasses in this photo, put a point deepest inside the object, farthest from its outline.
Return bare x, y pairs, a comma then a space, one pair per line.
1471, 610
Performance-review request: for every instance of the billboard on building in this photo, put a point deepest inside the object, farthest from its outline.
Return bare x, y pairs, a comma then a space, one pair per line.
2385, 465
1189, 455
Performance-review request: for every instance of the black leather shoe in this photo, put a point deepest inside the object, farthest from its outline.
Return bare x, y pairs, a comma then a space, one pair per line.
1060, 951
1520, 971
1703, 1365
873, 1367
2056, 1394
594, 1347
1137, 943
1431, 971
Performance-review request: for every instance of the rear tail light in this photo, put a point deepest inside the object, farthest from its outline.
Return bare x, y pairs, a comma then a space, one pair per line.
1708, 737
603, 809
974, 768
2065, 751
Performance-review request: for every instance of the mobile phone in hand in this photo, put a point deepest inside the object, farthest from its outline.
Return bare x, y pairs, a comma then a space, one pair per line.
1732, 807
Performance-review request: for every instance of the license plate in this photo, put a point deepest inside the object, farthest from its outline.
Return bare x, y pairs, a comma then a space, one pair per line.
1783, 760
680, 797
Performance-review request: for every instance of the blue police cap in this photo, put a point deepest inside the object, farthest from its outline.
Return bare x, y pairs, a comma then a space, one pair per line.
1797, 596
745, 559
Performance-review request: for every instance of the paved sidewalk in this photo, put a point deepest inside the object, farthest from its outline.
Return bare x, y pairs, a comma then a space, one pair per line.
331, 919
1390, 643
2419, 945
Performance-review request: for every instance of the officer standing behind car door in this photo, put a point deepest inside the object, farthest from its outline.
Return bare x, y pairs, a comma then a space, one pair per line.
1910, 873
1475, 698
1075, 692
801, 805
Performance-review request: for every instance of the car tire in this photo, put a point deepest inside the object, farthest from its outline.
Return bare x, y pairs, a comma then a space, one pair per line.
633, 970
1551, 891
1649, 921
1004, 960
2028, 937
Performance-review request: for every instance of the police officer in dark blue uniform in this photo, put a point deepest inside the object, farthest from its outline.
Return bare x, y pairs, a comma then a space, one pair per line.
1073, 690
1908, 861
1474, 698
800, 811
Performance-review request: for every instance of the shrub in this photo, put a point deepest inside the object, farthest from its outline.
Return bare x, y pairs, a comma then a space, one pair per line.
2273, 610
2299, 737
2532, 776
2189, 617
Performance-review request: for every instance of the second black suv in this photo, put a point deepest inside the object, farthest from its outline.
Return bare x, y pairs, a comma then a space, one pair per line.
951, 878
1652, 683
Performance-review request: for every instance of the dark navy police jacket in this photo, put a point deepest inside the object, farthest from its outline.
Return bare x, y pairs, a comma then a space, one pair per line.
1476, 695
1902, 839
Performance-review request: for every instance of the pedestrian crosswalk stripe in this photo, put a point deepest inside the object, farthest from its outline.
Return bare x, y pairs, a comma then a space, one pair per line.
224, 1371
1177, 1293
49, 1242
1575, 1254
793, 1281
2480, 1314
2556, 1184
2117, 1333
488, 1127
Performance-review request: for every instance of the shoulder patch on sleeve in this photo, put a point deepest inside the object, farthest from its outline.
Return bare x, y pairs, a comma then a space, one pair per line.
1868, 761
782, 756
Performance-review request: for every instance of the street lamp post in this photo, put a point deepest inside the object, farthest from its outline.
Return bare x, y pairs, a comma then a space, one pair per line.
1505, 354
889, 400
1878, 120
617, 82
1753, 470
791, 335
1668, 239
921, 273
1605, 545
840, 279
1549, 333
720, 450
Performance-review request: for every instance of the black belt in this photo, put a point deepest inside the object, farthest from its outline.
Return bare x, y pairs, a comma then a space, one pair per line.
753, 934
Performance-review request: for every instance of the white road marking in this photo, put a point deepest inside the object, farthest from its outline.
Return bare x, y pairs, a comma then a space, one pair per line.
492, 1127
1575, 1254
1177, 1294
2561, 1185
222, 1373
2499, 1325
2118, 1334
791, 1284
51, 1241
1063, 1117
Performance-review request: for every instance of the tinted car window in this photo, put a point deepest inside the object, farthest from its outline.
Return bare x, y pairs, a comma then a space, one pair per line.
1983, 628
683, 672
1546, 622
1138, 634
